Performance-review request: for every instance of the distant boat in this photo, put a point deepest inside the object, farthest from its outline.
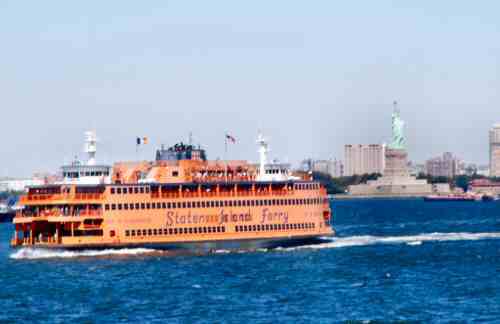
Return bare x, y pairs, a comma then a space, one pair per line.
489, 197
452, 197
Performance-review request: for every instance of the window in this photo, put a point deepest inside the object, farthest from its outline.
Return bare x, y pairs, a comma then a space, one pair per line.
137, 206
190, 230
223, 229
202, 204
230, 203
212, 203
144, 232
254, 228
147, 189
170, 231
124, 190
175, 173
204, 229
133, 232
188, 204
195, 230
113, 206
131, 206
164, 205
155, 232
125, 206
119, 190
153, 205
106, 207
176, 231
136, 190
148, 205
127, 233
141, 190
198, 204
210, 230
112, 191
143, 206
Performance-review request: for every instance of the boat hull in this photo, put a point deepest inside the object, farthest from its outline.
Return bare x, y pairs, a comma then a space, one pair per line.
197, 247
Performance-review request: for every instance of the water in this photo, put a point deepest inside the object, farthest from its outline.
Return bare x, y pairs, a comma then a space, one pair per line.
400, 260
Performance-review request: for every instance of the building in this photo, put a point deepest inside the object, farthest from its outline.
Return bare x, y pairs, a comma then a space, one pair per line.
443, 166
10, 184
495, 151
484, 186
334, 168
364, 158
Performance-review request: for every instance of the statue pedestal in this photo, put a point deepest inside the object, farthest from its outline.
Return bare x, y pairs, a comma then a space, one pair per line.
396, 163
396, 180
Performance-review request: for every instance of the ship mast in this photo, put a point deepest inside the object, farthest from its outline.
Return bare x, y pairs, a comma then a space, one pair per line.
263, 150
90, 147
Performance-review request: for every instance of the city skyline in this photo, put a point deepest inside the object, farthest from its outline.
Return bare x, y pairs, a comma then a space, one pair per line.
312, 78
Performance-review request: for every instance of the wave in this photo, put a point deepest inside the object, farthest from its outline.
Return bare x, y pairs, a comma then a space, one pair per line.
40, 253
414, 240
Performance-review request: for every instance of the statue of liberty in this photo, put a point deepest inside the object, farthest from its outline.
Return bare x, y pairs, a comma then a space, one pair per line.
398, 139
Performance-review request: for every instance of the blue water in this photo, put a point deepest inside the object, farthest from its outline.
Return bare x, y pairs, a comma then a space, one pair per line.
399, 260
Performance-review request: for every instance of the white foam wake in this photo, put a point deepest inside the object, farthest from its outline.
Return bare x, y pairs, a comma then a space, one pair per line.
412, 240
36, 253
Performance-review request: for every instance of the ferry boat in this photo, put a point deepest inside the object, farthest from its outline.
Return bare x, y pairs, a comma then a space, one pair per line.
178, 201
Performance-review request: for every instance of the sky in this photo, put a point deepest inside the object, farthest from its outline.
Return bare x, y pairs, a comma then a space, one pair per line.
311, 75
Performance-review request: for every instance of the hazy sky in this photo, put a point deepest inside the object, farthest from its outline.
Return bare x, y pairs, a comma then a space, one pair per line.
313, 75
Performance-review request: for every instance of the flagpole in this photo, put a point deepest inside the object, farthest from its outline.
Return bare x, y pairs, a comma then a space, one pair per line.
225, 156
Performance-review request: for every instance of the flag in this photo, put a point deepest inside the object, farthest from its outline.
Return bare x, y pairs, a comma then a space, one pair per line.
230, 138
142, 140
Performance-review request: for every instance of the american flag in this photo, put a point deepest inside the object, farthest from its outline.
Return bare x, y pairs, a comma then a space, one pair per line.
230, 138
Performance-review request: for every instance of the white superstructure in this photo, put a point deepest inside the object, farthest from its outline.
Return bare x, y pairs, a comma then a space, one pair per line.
88, 172
270, 171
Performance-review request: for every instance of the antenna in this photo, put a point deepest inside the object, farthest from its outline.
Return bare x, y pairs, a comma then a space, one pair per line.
190, 138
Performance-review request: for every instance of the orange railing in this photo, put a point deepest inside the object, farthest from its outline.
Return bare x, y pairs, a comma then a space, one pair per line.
52, 197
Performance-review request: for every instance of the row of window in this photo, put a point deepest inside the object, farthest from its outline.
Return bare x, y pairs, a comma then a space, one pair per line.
273, 227
130, 190
216, 204
175, 231
137, 190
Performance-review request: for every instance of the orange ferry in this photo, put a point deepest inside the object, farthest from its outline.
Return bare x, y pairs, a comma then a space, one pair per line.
180, 200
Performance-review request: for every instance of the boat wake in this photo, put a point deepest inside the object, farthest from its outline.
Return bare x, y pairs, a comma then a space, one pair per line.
411, 240
36, 253
328, 243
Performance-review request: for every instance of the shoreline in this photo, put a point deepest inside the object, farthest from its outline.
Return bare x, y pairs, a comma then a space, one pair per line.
354, 197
